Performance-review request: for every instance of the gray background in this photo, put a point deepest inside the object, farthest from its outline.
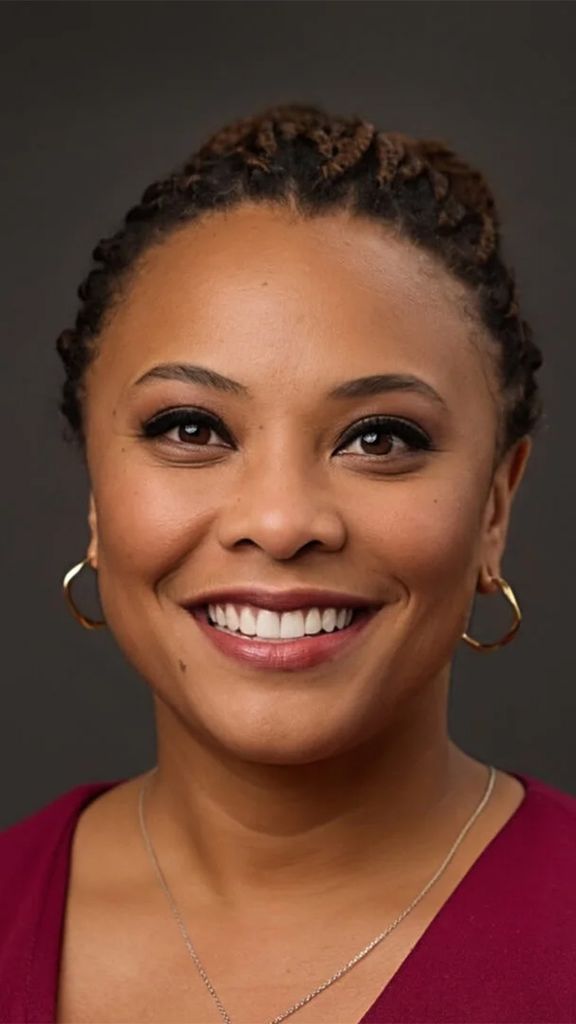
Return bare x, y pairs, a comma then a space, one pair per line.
98, 99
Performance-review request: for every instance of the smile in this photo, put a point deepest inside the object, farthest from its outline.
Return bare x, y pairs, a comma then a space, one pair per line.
267, 624
302, 638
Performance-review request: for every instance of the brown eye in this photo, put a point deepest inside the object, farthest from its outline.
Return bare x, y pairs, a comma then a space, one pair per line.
386, 435
376, 442
197, 432
192, 428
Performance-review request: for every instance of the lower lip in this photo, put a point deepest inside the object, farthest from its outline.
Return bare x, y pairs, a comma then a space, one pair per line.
284, 655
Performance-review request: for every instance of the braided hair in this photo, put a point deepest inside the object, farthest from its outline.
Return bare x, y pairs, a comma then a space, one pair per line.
299, 156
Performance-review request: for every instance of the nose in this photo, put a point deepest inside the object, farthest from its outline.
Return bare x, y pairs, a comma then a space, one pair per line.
282, 505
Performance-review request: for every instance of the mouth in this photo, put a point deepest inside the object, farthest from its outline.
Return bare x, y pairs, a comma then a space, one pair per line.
294, 640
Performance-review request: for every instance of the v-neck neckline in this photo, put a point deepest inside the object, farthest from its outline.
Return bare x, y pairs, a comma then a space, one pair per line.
426, 947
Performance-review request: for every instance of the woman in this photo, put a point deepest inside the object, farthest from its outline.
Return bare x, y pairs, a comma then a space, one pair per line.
305, 397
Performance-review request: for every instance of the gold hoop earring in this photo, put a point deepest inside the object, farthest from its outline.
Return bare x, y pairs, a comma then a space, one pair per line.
509, 593
82, 619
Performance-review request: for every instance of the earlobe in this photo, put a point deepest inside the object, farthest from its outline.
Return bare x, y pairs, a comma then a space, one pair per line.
485, 578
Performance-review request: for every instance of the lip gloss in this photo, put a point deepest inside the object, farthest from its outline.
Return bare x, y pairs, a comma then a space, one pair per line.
285, 655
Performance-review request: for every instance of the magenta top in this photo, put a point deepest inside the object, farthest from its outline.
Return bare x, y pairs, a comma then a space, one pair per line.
502, 947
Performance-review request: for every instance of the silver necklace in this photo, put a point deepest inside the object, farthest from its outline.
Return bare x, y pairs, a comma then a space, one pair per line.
351, 963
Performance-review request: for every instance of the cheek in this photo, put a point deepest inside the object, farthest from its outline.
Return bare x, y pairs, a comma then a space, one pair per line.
424, 535
148, 518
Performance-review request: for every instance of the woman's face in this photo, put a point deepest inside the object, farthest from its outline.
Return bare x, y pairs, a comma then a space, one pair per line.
276, 491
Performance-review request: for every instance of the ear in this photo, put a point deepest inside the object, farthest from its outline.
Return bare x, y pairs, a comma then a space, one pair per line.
92, 553
496, 518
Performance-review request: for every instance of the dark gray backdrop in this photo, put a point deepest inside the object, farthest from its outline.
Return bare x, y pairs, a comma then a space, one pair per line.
98, 99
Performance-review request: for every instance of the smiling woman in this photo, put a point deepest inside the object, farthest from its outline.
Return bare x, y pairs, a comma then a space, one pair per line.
305, 396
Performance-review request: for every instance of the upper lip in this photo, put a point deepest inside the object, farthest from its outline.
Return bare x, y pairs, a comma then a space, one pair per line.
282, 600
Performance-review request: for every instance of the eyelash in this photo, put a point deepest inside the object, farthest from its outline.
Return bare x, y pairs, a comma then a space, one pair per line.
413, 436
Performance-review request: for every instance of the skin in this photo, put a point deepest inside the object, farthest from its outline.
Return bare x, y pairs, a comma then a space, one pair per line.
298, 790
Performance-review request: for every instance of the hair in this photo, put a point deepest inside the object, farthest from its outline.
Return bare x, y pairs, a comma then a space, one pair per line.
300, 156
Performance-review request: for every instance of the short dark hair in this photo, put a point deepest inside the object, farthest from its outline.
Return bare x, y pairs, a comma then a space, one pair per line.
299, 155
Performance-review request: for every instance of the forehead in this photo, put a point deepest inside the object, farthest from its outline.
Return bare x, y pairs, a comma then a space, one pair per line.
259, 291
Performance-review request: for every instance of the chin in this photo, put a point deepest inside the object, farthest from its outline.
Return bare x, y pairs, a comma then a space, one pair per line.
280, 750
294, 735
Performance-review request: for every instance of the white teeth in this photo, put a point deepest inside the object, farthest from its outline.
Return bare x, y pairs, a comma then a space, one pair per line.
270, 625
291, 625
329, 617
313, 623
247, 622
232, 620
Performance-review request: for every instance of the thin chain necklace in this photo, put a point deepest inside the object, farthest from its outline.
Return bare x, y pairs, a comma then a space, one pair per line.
351, 963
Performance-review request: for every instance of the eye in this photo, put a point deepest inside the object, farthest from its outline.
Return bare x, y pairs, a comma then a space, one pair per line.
193, 427
379, 436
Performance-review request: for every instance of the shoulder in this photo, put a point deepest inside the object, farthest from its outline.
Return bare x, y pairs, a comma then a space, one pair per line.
34, 867
33, 839
34, 852
547, 805
521, 911
538, 845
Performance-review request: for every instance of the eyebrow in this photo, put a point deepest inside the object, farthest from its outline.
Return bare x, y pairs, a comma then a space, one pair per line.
379, 383
361, 387
191, 374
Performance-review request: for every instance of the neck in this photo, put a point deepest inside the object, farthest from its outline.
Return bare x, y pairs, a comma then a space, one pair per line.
245, 828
